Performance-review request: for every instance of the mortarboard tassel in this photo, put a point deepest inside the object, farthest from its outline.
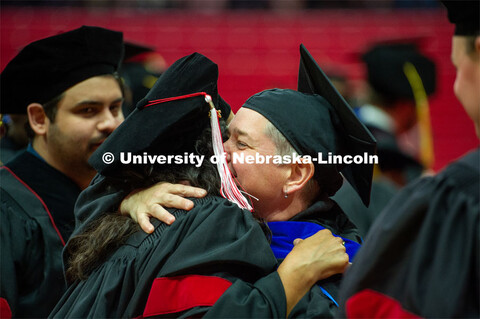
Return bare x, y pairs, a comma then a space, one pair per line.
228, 187
423, 114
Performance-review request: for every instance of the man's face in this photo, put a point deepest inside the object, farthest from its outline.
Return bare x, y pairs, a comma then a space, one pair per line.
87, 114
264, 181
467, 81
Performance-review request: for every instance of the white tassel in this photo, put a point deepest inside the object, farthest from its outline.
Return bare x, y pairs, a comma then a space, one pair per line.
228, 188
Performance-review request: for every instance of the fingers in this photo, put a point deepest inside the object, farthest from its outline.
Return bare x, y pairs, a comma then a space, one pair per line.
339, 257
142, 204
297, 241
173, 201
162, 214
184, 190
327, 252
325, 236
126, 206
157, 212
144, 222
336, 264
172, 195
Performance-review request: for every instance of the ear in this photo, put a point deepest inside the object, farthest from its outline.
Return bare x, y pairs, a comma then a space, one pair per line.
477, 44
38, 119
300, 174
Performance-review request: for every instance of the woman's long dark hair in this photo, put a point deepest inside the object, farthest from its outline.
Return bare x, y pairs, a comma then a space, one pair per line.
91, 248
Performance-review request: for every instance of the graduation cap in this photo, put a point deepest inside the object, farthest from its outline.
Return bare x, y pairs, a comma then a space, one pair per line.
133, 50
465, 15
390, 156
169, 119
316, 119
140, 78
386, 70
46, 68
137, 77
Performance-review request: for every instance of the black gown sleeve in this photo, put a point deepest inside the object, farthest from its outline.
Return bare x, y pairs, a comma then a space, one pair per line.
102, 196
216, 244
30, 276
225, 242
263, 299
422, 254
314, 305
13, 252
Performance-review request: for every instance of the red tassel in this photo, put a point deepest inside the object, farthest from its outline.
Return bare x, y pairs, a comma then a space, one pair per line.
228, 189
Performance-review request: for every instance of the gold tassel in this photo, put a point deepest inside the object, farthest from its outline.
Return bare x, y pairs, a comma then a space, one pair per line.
423, 115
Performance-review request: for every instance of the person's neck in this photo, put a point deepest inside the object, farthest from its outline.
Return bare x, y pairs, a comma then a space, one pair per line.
79, 175
290, 207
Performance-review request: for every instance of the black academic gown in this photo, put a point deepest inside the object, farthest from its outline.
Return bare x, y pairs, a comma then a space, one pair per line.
421, 257
214, 261
327, 214
105, 194
363, 217
9, 149
36, 218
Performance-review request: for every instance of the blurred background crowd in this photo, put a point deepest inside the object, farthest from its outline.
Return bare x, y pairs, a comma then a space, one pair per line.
233, 4
390, 60
255, 44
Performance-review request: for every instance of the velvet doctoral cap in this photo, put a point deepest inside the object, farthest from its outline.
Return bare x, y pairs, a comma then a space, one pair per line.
386, 70
137, 77
390, 156
165, 121
46, 68
134, 49
465, 14
316, 119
